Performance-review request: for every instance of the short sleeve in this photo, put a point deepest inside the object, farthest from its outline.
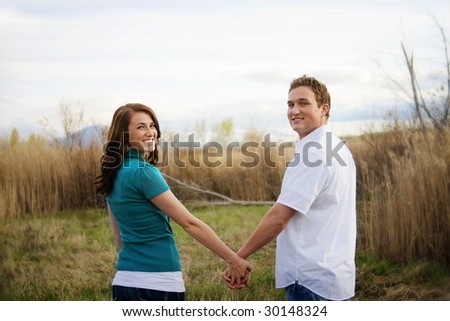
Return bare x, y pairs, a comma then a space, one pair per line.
149, 181
301, 186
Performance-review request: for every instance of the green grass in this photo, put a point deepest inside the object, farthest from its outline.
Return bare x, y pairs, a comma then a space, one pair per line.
202, 269
62, 257
71, 256
417, 280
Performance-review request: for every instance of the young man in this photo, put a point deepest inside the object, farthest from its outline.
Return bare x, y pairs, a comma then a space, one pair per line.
314, 218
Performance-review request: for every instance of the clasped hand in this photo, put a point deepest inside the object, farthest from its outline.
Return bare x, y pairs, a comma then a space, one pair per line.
236, 277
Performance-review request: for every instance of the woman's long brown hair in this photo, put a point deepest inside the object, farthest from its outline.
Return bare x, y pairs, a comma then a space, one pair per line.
117, 145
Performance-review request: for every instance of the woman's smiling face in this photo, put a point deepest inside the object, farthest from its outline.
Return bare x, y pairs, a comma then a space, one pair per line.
142, 132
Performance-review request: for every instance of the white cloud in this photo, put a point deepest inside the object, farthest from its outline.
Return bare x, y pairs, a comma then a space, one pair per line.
198, 59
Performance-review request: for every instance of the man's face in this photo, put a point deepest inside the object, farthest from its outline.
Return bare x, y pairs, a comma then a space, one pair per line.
303, 112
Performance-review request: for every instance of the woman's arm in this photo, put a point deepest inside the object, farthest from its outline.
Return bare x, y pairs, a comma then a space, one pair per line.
200, 231
115, 229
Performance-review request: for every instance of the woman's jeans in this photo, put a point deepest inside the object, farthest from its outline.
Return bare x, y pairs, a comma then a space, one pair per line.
297, 292
124, 293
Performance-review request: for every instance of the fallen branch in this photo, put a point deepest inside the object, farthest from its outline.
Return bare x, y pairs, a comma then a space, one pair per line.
228, 200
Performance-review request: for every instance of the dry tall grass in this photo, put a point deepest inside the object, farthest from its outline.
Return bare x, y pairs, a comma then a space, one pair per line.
403, 187
35, 180
240, 177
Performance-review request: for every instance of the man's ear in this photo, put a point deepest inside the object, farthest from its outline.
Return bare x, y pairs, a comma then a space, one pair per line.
325, 109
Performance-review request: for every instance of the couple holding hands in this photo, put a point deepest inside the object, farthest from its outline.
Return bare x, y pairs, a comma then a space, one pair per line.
313, 219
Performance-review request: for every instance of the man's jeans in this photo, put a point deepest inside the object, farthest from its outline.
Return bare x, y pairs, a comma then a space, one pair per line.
297, 292
123, 293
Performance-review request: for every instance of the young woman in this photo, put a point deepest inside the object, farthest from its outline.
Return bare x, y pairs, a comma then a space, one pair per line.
141, 205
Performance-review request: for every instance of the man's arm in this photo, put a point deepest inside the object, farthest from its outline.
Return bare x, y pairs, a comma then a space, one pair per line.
268, 229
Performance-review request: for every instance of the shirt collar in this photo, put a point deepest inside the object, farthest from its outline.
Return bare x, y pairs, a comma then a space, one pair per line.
313, 136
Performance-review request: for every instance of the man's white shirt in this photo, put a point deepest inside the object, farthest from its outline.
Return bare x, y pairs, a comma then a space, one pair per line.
317, 248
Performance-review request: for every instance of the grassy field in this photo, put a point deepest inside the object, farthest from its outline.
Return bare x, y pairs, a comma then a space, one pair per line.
402, 191
71, 256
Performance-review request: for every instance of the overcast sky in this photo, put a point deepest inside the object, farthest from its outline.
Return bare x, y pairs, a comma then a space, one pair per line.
206, 60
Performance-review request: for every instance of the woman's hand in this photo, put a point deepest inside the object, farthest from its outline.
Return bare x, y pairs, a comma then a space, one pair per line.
237, 275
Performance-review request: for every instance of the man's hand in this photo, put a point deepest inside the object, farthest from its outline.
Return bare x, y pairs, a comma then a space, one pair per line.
236, 283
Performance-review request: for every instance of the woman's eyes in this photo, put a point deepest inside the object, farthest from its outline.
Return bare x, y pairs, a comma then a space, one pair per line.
142, 126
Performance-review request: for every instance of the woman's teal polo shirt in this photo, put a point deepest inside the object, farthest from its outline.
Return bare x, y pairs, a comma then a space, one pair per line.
148, 244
